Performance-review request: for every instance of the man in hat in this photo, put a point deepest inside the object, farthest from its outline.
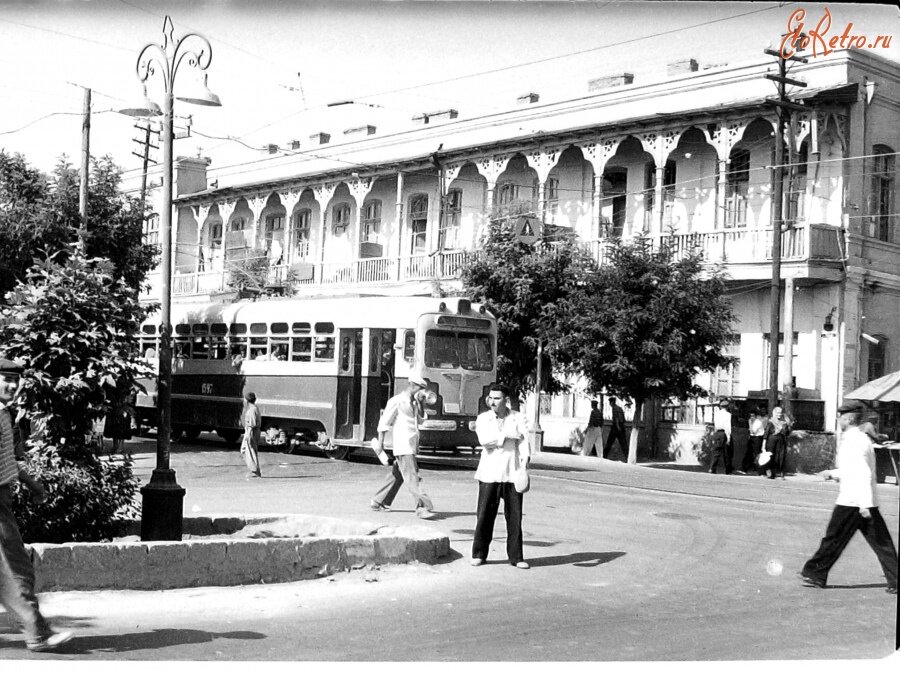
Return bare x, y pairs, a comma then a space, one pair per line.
16, 572
402, 416
856, 508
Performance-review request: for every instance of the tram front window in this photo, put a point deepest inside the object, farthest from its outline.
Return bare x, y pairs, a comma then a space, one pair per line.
452, 349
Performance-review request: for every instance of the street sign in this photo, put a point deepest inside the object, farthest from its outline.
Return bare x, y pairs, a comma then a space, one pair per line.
528, 229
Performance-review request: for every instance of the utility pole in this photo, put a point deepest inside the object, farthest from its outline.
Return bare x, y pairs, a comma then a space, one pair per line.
145, 155
782, 105
85, 167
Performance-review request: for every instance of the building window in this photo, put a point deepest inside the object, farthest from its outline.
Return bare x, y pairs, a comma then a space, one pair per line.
507, 193
151, 230
274, 236
768, 356
340, 218
418, 223
877, 353
551, 200
300, 233
452, 219
883, 191
215, 235
727, 381
235, 240
737, 186
796, 187
371, 222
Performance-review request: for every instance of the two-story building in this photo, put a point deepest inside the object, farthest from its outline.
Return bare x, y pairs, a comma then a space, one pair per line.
685, 158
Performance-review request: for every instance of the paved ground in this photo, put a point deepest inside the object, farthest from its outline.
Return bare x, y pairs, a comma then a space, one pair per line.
629, 564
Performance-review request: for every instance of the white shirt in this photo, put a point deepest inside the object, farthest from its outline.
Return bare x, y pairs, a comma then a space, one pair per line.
510, 435
855, 468
402, 417
758, 425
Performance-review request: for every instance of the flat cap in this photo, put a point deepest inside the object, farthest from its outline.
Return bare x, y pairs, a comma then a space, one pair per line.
8, 367
851, 406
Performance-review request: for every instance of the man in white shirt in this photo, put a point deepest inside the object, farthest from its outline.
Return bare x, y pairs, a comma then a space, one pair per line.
856, 508
503, 435
402, 416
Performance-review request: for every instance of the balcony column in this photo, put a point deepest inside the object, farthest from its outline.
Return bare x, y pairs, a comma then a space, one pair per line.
491, 168
226, 210
323, 194
257, 205
658, 209
598, 153
399, 228
596, 204
543, 161
201, 212
788, 370
289, 199
359, 189
721, 188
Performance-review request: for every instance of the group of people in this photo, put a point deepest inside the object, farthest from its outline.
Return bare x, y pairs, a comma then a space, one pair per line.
766, 444
593, 432
506, 453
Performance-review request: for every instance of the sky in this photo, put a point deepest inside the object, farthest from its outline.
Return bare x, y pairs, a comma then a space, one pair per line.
277, 64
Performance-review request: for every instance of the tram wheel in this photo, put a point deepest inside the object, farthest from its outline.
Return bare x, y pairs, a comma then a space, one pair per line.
192, 433
230, 436
338, 452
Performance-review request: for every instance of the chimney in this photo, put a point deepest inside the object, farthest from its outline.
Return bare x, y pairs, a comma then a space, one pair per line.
610, 81
682, 67
450, 114
295, 145
420, 119
528, 99
272, 148
190, 175
366, 130
320, 138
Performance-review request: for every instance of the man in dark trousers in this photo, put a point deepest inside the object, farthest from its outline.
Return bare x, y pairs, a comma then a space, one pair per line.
718, 441
16, 572
856, 508
617, 429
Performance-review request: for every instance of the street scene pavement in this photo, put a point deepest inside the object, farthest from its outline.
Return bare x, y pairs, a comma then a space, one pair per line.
629, 563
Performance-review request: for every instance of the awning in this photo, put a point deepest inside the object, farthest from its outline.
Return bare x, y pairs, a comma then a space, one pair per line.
885, 389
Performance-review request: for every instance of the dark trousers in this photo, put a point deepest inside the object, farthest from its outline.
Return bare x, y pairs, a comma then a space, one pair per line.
616, 435
404, 471
489, 495
754, 447
17, 574
845, 521
723, 456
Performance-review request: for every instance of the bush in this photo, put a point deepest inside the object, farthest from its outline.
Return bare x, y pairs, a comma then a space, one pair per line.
87, 499
810, 452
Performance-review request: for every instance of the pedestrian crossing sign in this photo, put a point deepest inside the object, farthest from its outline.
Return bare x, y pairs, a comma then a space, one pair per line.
528, 229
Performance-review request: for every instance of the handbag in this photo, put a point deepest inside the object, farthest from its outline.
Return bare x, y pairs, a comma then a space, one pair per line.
764, 457
521, 480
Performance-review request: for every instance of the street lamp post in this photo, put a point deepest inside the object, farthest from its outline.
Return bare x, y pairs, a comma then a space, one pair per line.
163, 498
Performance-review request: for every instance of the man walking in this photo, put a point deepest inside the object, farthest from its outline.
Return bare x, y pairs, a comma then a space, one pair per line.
856, 508
402, 416
593, 435
757, 426
503, 435
617, 429
16, 572
250, 444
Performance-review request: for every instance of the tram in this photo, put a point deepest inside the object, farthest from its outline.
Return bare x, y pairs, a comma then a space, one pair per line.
323, 369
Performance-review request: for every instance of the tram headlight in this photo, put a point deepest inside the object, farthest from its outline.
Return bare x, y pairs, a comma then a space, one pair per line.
426, 397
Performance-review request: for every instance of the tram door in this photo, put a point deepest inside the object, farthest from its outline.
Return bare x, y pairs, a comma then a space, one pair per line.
349, 386
377, 342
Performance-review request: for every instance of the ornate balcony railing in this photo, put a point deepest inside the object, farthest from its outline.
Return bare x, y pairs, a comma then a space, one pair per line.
804, 241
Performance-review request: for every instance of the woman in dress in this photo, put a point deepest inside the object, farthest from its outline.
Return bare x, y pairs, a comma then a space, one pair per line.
775, 439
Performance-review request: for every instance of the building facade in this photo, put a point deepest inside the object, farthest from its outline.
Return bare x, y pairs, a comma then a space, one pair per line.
685, 159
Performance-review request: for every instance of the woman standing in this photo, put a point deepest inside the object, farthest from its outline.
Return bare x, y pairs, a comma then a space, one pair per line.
775, 439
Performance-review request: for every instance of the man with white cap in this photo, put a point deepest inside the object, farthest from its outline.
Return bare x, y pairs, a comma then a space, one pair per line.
856, 508
402, 416
16, 572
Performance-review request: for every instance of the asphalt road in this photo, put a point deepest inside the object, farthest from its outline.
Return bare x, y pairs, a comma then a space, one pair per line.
629, 564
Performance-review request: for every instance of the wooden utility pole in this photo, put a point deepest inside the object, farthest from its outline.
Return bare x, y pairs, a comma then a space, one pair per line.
85, 167
782, 105
145, 156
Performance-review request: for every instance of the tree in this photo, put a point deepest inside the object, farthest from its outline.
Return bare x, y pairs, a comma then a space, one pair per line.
74, 325
646, 324
526, 286
39, 217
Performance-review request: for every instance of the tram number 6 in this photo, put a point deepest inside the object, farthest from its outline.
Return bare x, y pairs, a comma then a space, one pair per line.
206, 388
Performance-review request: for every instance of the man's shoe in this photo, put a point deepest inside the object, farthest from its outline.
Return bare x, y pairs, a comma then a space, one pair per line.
375, 506
522, 565
425, 515
809, 582
52, 641
891, 589
476, 562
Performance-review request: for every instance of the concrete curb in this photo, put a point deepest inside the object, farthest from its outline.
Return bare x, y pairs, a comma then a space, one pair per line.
234, 551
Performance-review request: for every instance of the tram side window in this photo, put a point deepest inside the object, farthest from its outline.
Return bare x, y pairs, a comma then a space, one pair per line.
182, 348
279, 349
301, 349
409, 345
200, 347
218, 348
238, 341
324, 348
259, 346
148, 348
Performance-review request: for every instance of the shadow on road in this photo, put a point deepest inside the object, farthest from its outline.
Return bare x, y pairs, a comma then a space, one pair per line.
582, 559
154, 639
